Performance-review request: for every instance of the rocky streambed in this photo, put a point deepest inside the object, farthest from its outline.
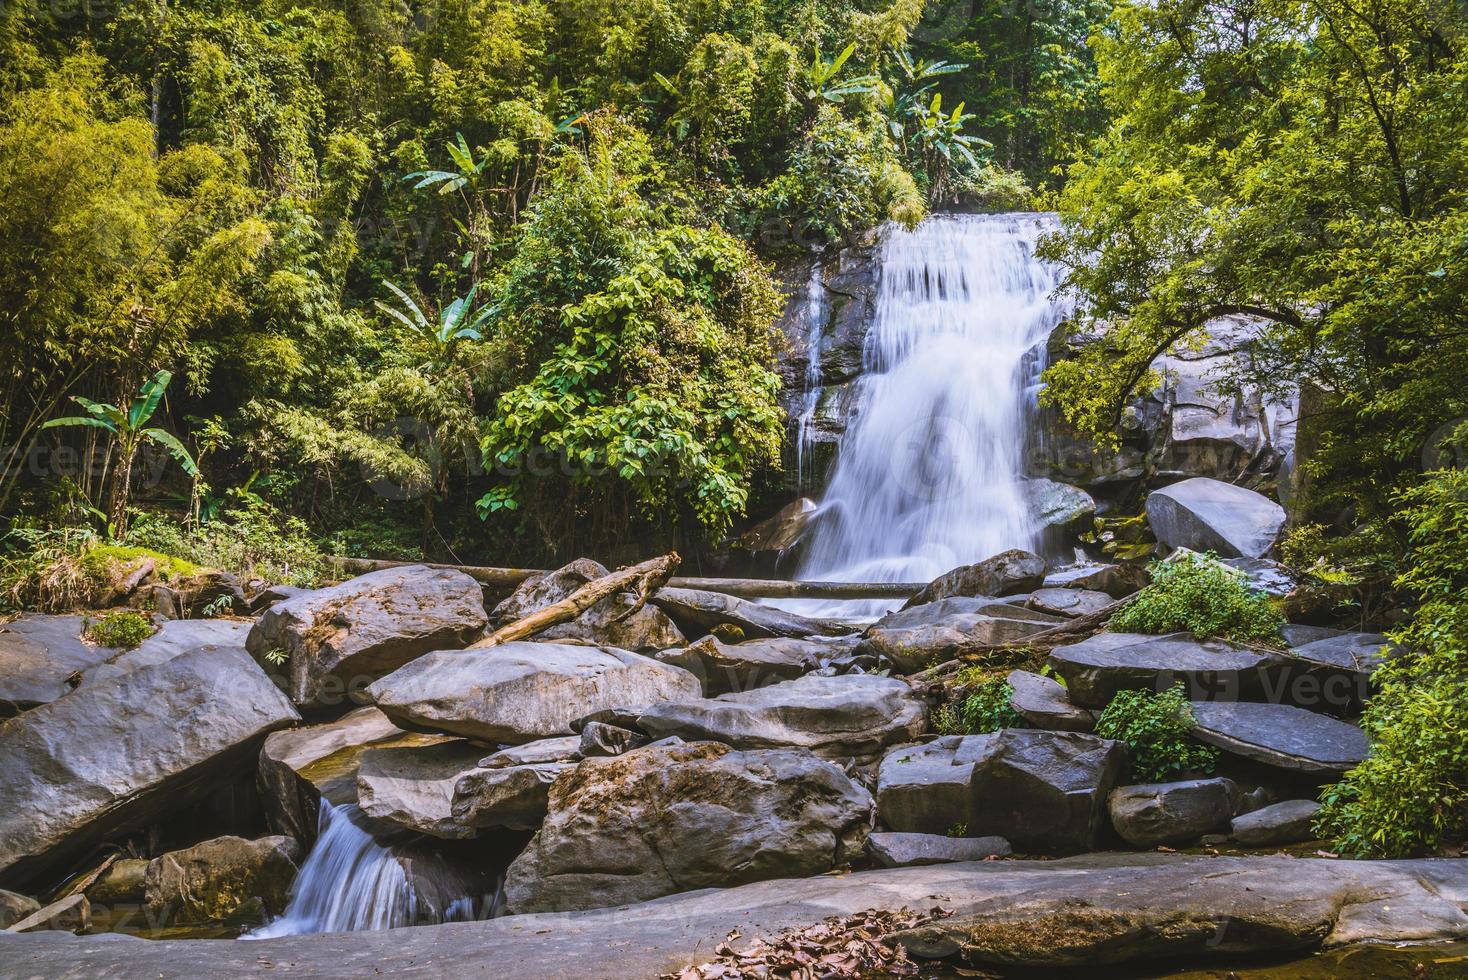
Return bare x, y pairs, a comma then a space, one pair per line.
616, 794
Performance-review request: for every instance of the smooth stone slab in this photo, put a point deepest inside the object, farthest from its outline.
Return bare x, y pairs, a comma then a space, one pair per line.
853, 715
1097, 668
913, 648
1112, 910
890, 850
1069, 602
561, 749
1281, 735
697, 612
1007, 573
1283, 823
38, 653
1044, 703
725, 667
173, 638
1117, 581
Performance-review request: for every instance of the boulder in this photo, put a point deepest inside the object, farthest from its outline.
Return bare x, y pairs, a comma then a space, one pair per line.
1281, 735
228, 880
890, 850
1330, 670
781, 532
1117, 581
928, 789
123, 883
173, 638
520, 692
943, 610
112, 757
269, 595
1208, 515
412, 786
913, 648
564, 748
697, 612
1264, 575
1044, 703
1095, 669
1068, 602
672, 818
14, 907
40, 657
1007, 573
301, 767
1043, 791
1289, 822
1058, 505
725, 667
599, 738
515, 797
853, 715
605, 624
1172, 813
335, 641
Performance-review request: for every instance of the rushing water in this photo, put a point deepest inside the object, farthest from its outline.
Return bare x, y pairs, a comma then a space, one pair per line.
349, 883
927, 476
815, 318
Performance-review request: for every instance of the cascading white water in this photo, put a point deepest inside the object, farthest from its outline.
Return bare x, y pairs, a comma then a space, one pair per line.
927, 476
350, 883
815, 319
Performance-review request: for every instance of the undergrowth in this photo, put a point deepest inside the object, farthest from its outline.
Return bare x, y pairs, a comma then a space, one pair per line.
1199, 595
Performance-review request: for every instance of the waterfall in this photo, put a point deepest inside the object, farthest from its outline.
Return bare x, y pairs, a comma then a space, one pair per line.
350, 883
815, 321
927, 476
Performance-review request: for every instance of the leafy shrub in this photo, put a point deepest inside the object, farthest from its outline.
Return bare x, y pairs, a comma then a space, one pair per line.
1196, 594
251, 538
1410, 796
1157, 727
984, 709
123, 630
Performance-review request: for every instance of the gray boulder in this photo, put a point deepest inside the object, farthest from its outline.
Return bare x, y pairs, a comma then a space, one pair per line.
413, 786
1172, 813
1007, 573
853, 715
698, 612
1117, 581
173, 638
1281, 735
39, 656
1044, 703
564, 748
607, 623
781, 532
913, 648
1058, 505
520, 692
725, 667
1264, 575
1043, 791
890, 850
928, 789
599, 738
1289, 822
227, 881
1208, 515
335, 641
1068, 602
112, 757
671, 818
510, 796
1098, 667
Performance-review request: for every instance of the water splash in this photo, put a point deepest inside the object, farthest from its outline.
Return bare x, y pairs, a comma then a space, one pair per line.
350, 883
927, 476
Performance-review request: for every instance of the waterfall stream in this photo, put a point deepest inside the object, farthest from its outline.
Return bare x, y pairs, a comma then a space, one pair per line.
927, 475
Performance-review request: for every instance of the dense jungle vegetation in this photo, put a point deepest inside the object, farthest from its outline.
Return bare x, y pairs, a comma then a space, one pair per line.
494, 280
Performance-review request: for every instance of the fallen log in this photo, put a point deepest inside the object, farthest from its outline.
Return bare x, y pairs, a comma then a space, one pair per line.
642, 579
508, 579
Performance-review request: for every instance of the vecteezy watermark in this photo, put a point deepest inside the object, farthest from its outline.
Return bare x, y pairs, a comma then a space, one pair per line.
49, 461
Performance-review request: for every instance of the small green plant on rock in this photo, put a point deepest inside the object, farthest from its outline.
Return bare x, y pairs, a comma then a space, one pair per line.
1199, 595
1157, 727
985, 708
122, 630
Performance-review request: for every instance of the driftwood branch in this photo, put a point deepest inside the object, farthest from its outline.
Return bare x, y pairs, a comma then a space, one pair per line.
506, 580
642, 580
1060, 634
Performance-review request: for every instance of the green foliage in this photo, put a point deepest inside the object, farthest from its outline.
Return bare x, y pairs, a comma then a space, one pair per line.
1197, 594
1158, 729
1410, 796
250, 538
122, 630
984, 708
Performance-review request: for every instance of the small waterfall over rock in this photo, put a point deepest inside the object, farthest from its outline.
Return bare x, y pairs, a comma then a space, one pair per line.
350, 882
815, 318
928, 474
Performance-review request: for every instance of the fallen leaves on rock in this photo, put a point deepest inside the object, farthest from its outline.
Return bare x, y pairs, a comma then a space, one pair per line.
838, 946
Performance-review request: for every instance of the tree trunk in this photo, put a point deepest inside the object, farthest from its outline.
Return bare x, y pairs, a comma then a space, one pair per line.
122, 485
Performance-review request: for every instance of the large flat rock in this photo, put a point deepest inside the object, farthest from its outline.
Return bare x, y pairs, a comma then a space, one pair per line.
109, 757
1007, 573
853, 715
1281, 735
1108, 909
1097, 668
932, 633
335, 641
521, 692
698, 612
173, 638
725, 667
38, 653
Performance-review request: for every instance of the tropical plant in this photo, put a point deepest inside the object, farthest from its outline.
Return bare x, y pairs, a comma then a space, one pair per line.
946, 152
823, 81
457, 321
1158, 728
130, 432
905, 101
